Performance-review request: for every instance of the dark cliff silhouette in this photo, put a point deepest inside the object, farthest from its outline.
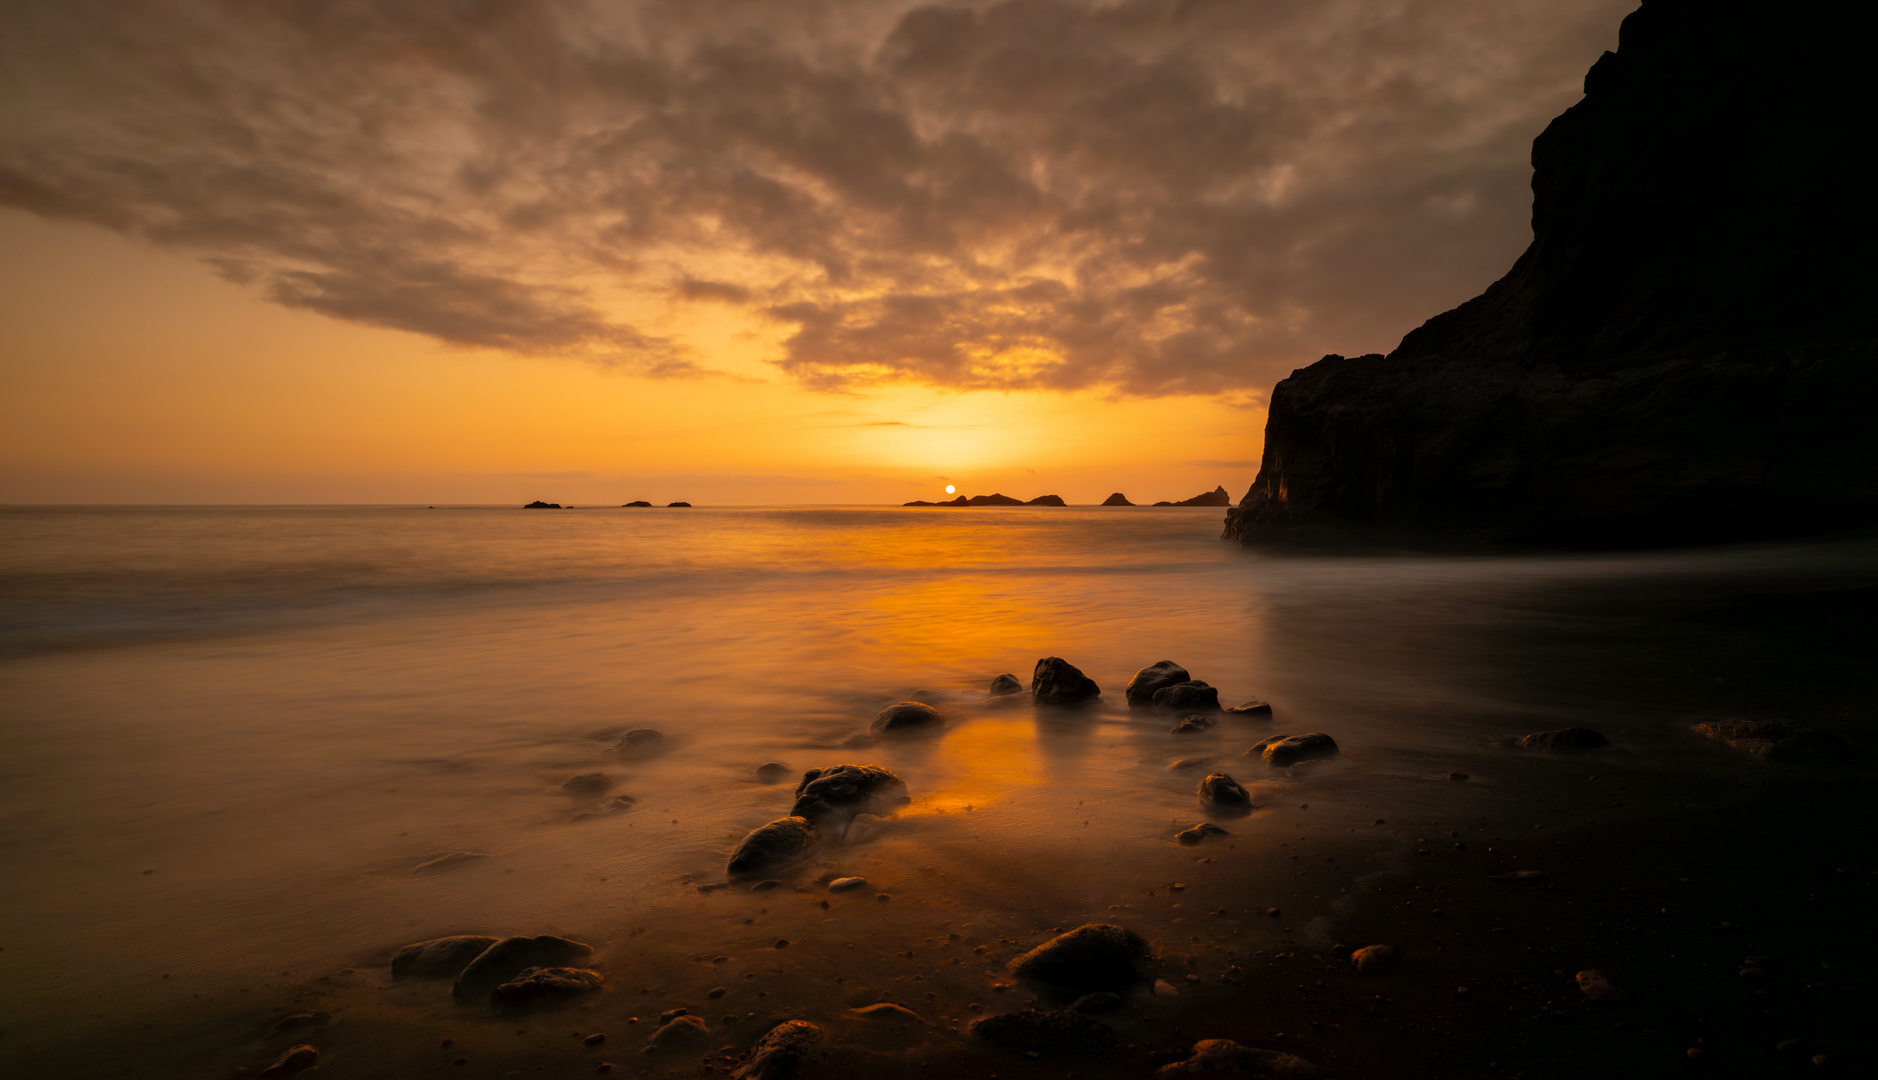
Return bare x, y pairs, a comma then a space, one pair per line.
1686, 351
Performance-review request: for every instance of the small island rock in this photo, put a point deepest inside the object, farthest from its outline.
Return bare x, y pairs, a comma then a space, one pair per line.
539, 505
779, 1051
780, 843
1046, 500
669, 506
1096, 956
908, 718
1220, 789
1056, 681
1162, 673
439, 958
1571, 738
1280, 751
511, 956
1117, 499
635, 502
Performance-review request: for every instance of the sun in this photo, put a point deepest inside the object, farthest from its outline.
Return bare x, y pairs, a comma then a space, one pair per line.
950, 489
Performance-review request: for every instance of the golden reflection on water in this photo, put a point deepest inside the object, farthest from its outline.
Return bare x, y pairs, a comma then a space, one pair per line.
981, 764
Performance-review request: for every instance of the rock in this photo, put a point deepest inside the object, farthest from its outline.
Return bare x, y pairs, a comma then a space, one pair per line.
1192, 762
1254, 707
1220, 789
1149, 679
779, 1051
993, 499
592, 783
847, 884
619, 802
438, 958
1280, 751
635, 502
842, 791
539, 986
783, 842
1187, 695
1772, 738
1205, 830
1596, 988
766, 885
1046, 500
886, 1012
641, 740
772, 772
297, 1059
1457, 777
1190, 725
1096, 956
296, 1021
1043, 1031
508, 958
1216, 497
670, 506
908, 718
1059, 682
1373, 959
598, 1038
681, 1030
1223, 1057
1006, 684
1571, 738
449, 860
539, 505
1117, 499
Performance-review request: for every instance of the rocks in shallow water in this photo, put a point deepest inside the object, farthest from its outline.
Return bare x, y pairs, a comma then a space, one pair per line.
1254, 707
1772, 738
908, 718
1218, 789
1154, 677
1571, 738
617, 803
681, 1030
1187, 695
847, 790
1280, 751
780, 843
773, 772
888, 1013
1205, 830
1006, 684
1059, 682
1373, 959
592, 783
538, 986
1190, 725
641, 740
508, 958
847, 884
438, 958
298, 1059
449, 860
1043, 1031
1096, 956
1596, 988
1223, 1057
779, 1051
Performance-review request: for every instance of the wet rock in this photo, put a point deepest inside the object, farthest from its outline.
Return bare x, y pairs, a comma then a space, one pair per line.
508, 958
1280, 751
641, 740
1373, 959
1254, 707
780, 843
1059, 682
1772, 738
773, 772
1100, 1002
438, 958
598, 1038
1205, 830
298, 1059
779, 1051
681, 1030
1596, 988
887, 1012
1096, 956
1571, 738
1187, 695
1191, 725
539, 986
592, 783
847, 884
1043, 1031
1458, 777
1219, 789
908, 718
1223, 1057
1006, 684
1154, 677
843, 791
449, 860
297, 1021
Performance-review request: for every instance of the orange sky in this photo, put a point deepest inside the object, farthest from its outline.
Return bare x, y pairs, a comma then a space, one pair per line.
350, 253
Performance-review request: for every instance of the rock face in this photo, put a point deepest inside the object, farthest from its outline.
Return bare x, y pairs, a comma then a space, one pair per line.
779, 1051
1163, 673
1280, 751
908, 718
1684, 352
846, 790
1093, 957
509, 957
1223, 1057
780, 843
1187, 695
1046, 500
438, 958
1117, 499
1571, 738
538, 986
1059, 682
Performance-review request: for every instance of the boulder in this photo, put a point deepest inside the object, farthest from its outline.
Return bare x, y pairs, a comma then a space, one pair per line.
1058, 682
1571, 738
1187, 695
1772, 738
1280, 751
1046, 500
1093, 957
1192, 724
1219, 789
908, 718
773, 772
1117, 499
592, 783
846, 790
1204, 831
1006, 684
847, 884
1149, 679
1596, 988
1043, 1031
1373, 959
783, 842
438, 958
295, 1060
1223, 1057
509, 957
641, 740
539, 505
1254, 707
635, 502
679, 1031
539, 986
779, 1051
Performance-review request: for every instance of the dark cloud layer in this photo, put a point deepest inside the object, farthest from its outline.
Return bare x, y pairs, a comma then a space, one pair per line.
1153, 196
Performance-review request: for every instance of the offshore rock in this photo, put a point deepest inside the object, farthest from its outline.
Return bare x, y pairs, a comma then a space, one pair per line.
438, 958
779, 1051
669, 506
1046, 500
1215, 497
783, 842
1093, 957
1187, 695
846, 790
1044, 1031
1059, 682
1117, 499
1223, 1057
539, 505
1571, 738
1280, 751
993, 499
1684, 354
635, 502
539, 986
1142, 687
509, 957
1218, 789
908, 718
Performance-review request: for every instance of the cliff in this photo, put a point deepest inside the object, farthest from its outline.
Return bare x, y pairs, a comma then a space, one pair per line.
1686, 351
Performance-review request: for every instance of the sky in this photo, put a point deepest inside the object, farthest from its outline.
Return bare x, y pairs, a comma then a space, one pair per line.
731, 251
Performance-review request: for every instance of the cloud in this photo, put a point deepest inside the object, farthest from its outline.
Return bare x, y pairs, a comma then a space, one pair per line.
573, 475
1146, 196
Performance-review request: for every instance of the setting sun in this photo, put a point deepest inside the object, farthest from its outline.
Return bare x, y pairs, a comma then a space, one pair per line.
950, 489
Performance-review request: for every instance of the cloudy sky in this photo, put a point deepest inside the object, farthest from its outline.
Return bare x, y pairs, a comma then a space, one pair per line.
742, 250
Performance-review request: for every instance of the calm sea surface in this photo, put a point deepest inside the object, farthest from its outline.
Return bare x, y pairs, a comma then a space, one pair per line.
228, 735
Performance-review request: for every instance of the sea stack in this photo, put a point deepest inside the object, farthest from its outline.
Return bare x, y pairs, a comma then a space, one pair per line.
1117, 499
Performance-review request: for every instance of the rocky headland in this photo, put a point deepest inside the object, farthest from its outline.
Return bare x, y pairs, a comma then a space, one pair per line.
1682, 355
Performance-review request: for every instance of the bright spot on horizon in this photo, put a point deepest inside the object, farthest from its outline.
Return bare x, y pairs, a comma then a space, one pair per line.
950, 489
